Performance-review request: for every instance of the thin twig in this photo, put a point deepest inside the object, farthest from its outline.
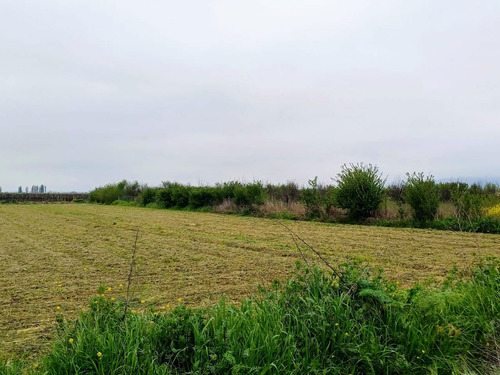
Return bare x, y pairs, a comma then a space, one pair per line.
295, 235
300, 251
130, 273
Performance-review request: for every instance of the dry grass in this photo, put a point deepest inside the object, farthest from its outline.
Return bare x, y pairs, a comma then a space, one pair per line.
194, 256
296, 209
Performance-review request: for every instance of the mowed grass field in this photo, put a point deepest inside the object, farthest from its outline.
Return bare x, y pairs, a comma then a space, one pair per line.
54, 256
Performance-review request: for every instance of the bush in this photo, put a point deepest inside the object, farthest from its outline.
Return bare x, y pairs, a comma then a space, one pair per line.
467, 202
287, 193
249, 194
227, 189
123, 190
312, 199
360, 189
147, 195
173, 195
422, 195
204, 196
106, 194
164, 198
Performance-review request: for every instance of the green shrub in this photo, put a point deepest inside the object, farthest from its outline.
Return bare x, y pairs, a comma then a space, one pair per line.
249, 194
129, 191
287, 193
311, 198
164, 198
173, 194
147, 195
123, 190
180, 194
422, 196
227, 189
106, 194
467, 202
360, 189
445, 190
204, 196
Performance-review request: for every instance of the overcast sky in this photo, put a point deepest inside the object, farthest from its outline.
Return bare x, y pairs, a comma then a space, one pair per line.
93, 92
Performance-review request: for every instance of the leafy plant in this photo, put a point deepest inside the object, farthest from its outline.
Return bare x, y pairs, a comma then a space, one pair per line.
360, 189
249, 194
421, 194
467, 202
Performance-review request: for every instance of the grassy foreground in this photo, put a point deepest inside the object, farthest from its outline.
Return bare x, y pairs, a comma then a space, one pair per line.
350, 323
54, 256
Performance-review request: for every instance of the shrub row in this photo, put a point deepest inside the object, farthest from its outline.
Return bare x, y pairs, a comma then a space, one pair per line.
177, 195
359, 191
173, 194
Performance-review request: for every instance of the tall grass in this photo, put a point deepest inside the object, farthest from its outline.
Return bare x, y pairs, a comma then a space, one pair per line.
315, 323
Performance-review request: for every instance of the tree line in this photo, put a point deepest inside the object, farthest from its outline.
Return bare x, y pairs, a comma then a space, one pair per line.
358, 192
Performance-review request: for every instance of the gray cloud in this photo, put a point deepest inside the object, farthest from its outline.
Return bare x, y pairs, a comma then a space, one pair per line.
93, 92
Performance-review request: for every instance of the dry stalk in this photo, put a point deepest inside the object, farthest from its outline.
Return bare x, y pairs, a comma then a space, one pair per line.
130, 274
296, 237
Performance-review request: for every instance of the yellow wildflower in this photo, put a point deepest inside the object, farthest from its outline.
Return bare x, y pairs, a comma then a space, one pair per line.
179, 299
112, 298
109, 289
99, 354
143, 301
58, 307
121, 285
70, 341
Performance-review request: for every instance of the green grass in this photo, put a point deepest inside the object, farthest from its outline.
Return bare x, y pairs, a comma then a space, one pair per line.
354, 323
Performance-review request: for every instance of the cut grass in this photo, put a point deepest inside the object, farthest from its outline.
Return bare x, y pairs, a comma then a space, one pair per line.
198, 257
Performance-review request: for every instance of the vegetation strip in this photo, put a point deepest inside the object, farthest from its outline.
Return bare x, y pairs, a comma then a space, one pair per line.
359, 196
316, 323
